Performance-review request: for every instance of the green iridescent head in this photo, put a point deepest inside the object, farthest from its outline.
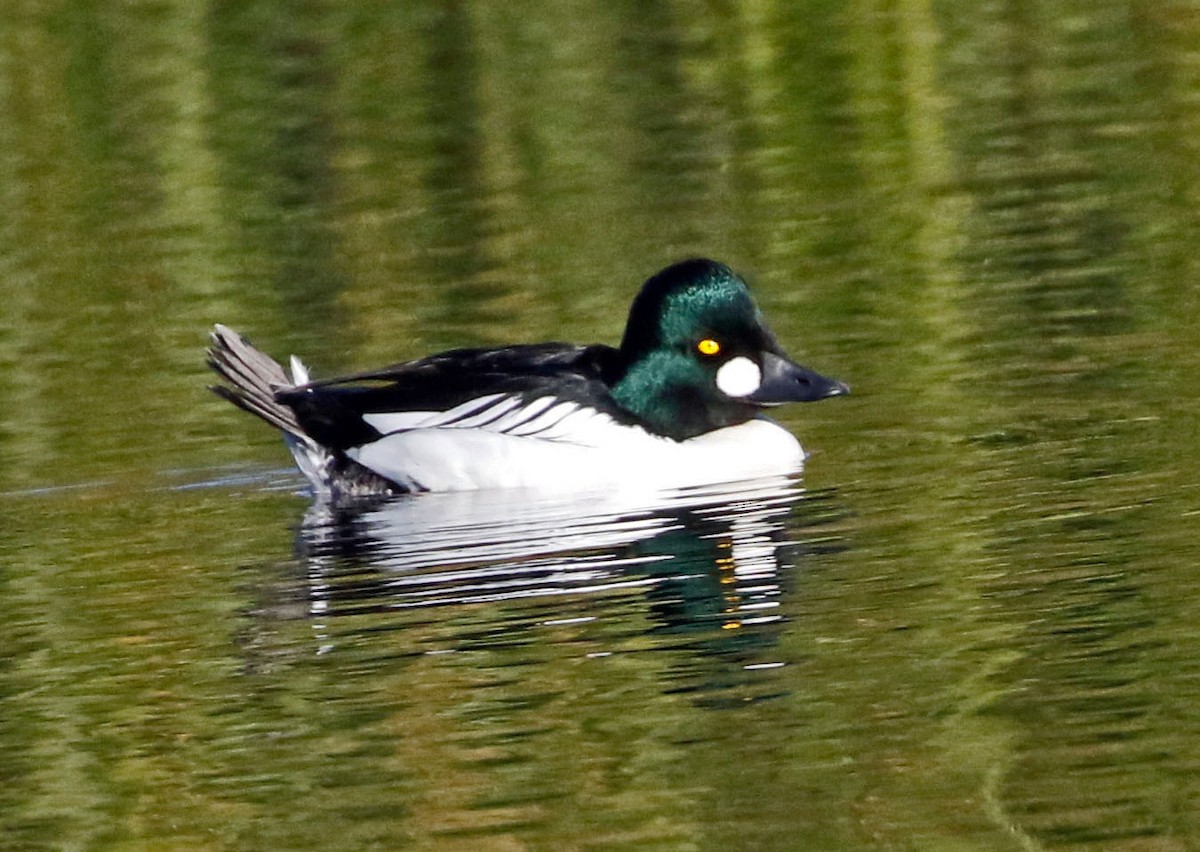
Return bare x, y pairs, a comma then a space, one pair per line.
698, 354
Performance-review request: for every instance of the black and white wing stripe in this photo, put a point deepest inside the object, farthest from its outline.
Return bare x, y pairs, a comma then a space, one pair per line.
554, 390
546, 417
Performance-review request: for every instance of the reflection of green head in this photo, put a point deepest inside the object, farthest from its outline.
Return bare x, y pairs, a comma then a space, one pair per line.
715, 574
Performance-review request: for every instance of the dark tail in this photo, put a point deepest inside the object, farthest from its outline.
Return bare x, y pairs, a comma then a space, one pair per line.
253, 378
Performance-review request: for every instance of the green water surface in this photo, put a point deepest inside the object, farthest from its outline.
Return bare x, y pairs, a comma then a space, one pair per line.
978, 617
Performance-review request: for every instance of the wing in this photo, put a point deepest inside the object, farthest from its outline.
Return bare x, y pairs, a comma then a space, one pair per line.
556, 360
533, 390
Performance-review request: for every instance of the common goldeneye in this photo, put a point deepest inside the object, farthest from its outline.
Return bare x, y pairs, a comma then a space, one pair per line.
679, 403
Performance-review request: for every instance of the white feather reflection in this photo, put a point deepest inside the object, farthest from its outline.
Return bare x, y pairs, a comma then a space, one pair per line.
477, 547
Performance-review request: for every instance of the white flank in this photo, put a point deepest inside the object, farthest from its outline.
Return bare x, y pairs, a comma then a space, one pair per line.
582, 449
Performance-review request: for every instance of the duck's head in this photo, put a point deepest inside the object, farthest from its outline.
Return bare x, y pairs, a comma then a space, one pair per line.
698, 355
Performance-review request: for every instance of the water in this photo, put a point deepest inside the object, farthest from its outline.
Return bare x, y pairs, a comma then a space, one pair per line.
969, 625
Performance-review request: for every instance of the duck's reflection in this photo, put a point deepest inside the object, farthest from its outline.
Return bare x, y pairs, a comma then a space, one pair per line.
473, 547
695, 571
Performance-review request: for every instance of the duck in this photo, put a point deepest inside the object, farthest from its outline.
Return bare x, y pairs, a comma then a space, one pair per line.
680, 402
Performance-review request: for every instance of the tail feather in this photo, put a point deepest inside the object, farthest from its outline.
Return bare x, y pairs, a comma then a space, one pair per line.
254, 379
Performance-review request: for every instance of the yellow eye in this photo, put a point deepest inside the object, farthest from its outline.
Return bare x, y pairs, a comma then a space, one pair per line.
708, 346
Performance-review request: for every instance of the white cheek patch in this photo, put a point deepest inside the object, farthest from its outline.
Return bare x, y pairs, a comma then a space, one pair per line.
739, 377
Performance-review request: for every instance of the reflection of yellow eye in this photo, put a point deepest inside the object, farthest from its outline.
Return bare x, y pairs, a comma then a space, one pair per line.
708, 346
